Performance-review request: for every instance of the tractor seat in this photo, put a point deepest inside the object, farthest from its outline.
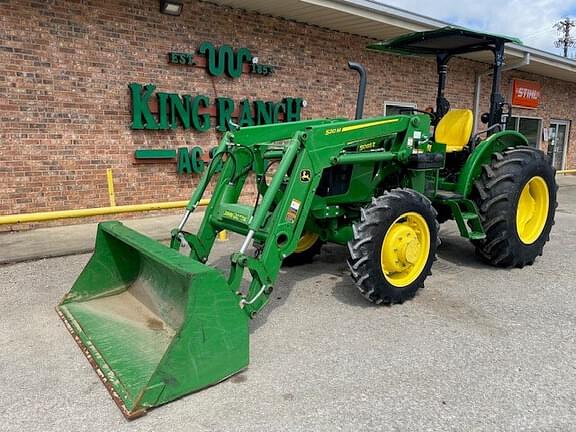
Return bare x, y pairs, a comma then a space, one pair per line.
455, 129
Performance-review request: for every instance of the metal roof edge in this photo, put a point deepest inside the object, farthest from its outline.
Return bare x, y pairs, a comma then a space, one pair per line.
538, 54
374, 6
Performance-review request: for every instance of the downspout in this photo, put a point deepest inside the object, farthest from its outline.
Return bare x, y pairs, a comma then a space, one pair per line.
524, 62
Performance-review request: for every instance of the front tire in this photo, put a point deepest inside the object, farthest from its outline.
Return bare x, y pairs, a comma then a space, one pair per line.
394, 246
516, 198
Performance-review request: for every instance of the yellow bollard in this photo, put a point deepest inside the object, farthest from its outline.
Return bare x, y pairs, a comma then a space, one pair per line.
111, 194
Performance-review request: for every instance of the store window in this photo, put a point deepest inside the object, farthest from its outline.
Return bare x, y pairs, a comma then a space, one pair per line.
394, 108
530, 127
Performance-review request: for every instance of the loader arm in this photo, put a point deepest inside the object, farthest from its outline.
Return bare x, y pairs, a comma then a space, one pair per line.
301, 152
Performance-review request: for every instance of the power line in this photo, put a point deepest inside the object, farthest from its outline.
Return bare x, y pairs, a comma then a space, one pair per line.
565, 40
537, 33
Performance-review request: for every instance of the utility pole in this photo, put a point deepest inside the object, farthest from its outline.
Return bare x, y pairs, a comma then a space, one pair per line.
565, 40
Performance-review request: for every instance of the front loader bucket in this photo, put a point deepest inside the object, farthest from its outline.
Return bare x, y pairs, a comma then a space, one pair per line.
154, 324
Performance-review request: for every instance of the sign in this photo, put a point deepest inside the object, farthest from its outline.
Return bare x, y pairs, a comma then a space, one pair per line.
170, 110
188, 161
221, 60
525, 94
156, 110
163, 111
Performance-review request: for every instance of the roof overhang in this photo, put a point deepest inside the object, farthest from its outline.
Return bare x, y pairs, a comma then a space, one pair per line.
372, 19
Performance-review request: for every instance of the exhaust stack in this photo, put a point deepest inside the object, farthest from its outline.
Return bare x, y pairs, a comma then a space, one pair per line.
361, 88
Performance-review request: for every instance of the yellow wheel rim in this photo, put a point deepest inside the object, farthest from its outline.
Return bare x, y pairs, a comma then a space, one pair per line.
532, 210
405, 249
306, 241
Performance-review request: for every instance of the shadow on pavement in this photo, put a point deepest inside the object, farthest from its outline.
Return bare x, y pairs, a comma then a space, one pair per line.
457, 250
455, 255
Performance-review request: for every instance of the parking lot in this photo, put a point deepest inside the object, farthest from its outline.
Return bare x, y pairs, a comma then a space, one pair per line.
479, 349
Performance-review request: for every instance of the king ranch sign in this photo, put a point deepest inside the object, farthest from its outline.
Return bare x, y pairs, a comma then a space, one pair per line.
525, 94
162, 111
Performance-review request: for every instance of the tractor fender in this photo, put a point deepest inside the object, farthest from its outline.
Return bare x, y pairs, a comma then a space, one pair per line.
483, 154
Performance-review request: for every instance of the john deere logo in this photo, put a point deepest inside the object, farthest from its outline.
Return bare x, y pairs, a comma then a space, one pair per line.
305, 176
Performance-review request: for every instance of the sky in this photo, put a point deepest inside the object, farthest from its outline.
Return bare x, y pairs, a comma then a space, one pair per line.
530, 21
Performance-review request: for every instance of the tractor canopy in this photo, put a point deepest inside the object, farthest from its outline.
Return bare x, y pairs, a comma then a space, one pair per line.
449, 40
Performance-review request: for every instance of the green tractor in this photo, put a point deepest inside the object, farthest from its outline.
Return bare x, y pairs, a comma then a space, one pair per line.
157, 324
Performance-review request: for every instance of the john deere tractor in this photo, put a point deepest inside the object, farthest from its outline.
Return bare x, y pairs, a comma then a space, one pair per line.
157, 324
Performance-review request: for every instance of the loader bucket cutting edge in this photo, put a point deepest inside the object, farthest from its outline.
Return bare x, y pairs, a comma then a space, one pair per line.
154, 324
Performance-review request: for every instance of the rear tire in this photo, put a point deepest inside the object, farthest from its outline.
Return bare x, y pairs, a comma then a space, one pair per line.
394, 246
308, 247
516, 199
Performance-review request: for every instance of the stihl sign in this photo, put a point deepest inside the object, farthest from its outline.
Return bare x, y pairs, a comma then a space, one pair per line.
525, 94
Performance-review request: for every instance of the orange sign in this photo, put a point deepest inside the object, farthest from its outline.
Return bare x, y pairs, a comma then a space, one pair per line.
525, 94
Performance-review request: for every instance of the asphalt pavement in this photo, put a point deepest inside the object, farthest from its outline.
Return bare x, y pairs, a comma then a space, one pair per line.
479, 349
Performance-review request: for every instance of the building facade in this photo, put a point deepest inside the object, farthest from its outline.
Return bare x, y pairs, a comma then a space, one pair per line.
75, 76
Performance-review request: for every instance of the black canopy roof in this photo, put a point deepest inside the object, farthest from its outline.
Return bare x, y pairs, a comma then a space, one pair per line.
446, 40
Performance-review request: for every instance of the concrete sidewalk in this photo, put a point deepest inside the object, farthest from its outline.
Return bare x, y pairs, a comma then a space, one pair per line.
75, 239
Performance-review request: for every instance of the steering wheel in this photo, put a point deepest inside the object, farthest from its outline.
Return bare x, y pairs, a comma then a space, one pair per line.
413, 110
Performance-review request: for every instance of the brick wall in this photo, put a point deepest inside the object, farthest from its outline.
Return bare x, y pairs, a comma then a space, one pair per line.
64, 100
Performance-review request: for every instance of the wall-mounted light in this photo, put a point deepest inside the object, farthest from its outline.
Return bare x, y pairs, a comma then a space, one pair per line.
170, 7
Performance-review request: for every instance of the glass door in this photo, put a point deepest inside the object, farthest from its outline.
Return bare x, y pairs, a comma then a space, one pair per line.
558, 142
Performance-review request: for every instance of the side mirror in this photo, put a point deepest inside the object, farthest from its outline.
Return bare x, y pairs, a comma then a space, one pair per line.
484, 118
